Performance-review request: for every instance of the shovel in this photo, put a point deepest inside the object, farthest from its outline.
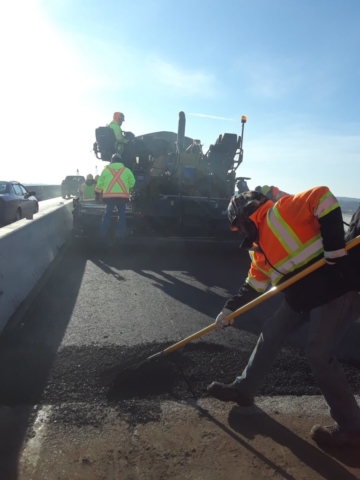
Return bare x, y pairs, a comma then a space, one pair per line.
107, 376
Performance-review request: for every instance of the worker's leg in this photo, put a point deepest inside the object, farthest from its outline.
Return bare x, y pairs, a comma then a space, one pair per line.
275, 332
107, 216
121, 224
328, 323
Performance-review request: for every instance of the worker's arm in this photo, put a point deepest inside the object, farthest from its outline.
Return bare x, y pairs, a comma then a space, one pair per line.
121, 138
131, 179
256, 284
328, 212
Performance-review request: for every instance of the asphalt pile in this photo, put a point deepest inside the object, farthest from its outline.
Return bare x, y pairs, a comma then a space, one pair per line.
138, 391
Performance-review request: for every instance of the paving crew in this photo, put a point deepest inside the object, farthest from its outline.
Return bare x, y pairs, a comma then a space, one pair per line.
285, 238
115, 125
87, 189
115, 183
273, 193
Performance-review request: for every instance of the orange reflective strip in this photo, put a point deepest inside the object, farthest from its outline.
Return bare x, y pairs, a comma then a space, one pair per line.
116, 180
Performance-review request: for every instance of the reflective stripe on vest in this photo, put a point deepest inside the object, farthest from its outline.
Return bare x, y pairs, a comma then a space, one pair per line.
116, 180
326, 204
256, 284
299, 253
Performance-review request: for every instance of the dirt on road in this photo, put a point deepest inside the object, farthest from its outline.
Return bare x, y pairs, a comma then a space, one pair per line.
191, 440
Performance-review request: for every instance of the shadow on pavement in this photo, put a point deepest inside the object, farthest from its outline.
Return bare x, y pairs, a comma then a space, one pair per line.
27, 354
259, 423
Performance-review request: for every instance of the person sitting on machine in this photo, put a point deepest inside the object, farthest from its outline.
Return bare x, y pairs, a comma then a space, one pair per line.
115, 125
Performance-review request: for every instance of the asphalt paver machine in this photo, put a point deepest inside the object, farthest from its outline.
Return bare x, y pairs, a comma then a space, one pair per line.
180, 191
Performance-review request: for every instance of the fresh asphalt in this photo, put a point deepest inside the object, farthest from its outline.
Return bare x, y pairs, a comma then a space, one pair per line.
101, 308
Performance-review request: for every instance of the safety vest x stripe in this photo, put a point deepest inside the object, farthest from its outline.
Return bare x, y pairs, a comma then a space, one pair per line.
116, 180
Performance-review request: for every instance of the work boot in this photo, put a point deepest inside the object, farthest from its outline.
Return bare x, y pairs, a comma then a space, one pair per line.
333, 436
229, 393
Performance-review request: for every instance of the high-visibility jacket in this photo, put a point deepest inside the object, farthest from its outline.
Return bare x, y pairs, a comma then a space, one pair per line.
120, 140
273, 193
87, 191
115, 181
293, 233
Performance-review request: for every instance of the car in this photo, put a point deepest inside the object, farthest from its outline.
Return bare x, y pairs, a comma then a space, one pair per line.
16, 202
71, 185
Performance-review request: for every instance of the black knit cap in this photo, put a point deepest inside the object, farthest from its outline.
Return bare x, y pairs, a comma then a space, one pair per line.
244, 204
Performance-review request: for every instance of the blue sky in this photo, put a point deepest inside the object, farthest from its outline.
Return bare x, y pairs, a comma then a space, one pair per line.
291, 67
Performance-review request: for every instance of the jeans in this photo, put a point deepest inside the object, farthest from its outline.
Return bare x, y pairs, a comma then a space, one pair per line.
120, 204
327, 326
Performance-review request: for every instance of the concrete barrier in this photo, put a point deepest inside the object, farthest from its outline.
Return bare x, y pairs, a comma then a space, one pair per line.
27, 248
44, 192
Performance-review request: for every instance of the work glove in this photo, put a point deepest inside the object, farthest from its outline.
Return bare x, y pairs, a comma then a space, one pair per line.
220, 321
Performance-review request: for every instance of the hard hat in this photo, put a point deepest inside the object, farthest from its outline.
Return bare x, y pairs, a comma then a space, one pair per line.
265, 189
89, 177
119, 117
116, 158
240, 208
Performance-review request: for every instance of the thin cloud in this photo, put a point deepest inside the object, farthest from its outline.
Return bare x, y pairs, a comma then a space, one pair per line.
214, 117
181, 80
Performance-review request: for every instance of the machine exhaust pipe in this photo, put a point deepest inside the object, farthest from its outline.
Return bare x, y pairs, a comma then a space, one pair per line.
181, 132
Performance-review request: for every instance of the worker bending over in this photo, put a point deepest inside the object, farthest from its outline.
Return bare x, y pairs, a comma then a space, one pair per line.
285, 238
115, 183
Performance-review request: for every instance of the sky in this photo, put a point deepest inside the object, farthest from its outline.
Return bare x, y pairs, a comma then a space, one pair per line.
291, 67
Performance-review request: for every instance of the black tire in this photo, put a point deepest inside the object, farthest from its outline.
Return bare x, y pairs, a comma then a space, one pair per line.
36, 208
18, 215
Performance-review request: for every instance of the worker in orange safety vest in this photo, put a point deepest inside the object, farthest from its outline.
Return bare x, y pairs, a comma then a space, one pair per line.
115, 183
283, 238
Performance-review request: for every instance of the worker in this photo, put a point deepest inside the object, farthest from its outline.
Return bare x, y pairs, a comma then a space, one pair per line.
87, 189
115, 125
285, 238
273, 193
115, 183
242, 185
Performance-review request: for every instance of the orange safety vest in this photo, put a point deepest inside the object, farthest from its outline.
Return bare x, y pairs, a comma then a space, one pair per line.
289, 235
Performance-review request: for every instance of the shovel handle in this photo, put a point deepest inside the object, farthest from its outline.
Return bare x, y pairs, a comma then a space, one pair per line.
273, 291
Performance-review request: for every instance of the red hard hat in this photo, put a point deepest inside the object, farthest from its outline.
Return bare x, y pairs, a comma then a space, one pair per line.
119, 117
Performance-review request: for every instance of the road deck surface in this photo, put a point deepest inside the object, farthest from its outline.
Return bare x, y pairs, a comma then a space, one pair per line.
103, 308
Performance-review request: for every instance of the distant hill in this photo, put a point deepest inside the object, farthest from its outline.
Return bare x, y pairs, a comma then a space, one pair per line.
348, 205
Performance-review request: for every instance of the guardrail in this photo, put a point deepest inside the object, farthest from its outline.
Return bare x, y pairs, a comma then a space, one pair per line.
27, 248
